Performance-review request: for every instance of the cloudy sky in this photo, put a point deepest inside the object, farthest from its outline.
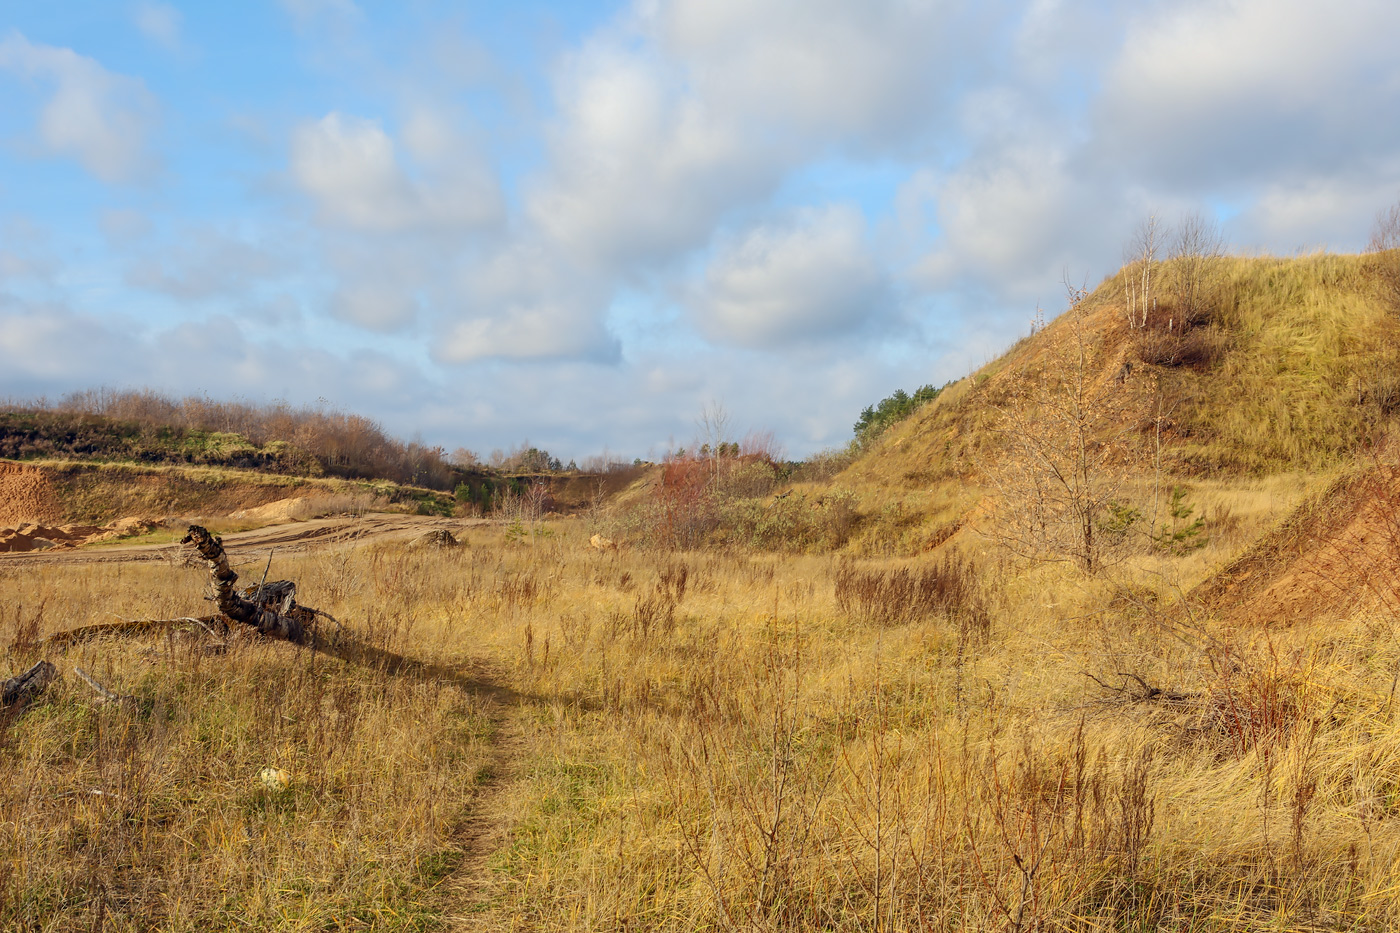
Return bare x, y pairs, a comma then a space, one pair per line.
582, 222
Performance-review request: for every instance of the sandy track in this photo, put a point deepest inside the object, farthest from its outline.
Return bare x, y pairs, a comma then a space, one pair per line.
297, 536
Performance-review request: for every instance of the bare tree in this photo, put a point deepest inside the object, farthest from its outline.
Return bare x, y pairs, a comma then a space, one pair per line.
464, 459
1384, 250
1141, 258
1198, 243
714, 432
1068, 457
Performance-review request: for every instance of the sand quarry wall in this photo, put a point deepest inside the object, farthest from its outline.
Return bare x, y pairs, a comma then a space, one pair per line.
27, 495
96, 494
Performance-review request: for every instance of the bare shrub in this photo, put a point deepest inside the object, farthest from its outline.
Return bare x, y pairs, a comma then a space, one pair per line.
895, 597
745, 479
305, 440
825, 465
1254, 705
1043, 825
1180, 346
749, 790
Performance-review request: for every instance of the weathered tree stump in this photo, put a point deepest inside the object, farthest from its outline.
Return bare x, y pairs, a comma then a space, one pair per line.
27, 685
270, 608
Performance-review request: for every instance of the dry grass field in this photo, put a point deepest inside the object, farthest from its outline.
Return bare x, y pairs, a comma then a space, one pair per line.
660, 740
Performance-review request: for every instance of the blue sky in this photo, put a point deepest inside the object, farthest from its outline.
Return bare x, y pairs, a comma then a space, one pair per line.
581, 223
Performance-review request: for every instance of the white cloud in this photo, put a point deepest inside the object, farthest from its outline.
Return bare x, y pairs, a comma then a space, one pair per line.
94, 115
53, 349
640, 170
1318, 212
527, 331
160, 23
122, 225
48, 346
1016, 219
828, 68
15, 266
1215, 92
690, 109
311, 14
350, 167
805, 280
525, 302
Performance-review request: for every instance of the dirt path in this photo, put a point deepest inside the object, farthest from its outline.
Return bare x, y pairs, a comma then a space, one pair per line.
466, 893
295, 536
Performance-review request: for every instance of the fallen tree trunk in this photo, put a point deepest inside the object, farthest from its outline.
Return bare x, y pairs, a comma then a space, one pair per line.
73, 636
270, 608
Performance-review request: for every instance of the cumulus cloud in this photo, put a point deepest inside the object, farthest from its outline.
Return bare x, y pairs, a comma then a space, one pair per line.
123, 225
311, 14
537, 330
351, 168
828, 69
1213, 92
1016, 219
639, 170
96, 116
48, 346
805, 280
1318, 212
52, 348
160, 23
14, 266
26, 253
525, 302
692, 108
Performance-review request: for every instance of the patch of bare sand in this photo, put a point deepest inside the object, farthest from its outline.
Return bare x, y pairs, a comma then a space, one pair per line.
295, 508
26, 496
34, 536
1336, 555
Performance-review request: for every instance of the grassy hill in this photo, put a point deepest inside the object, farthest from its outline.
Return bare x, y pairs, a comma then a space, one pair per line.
1289, 372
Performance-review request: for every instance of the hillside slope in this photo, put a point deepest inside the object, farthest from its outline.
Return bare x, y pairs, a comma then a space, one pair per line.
1282, 374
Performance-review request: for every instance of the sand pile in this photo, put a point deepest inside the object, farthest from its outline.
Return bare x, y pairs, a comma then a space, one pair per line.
32, 536
296, 508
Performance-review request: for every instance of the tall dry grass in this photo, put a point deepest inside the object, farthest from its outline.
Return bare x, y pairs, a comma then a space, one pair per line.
151, 814
704, 740
748, 754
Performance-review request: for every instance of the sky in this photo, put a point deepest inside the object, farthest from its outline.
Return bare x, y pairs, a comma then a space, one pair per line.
583, 224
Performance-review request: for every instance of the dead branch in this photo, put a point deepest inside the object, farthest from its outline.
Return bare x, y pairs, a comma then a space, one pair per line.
107, 695
1144, 693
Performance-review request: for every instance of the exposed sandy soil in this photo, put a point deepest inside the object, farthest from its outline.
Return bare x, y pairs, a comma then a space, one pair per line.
297, 536
32, 536
1337, 553
27, 496
55, 513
